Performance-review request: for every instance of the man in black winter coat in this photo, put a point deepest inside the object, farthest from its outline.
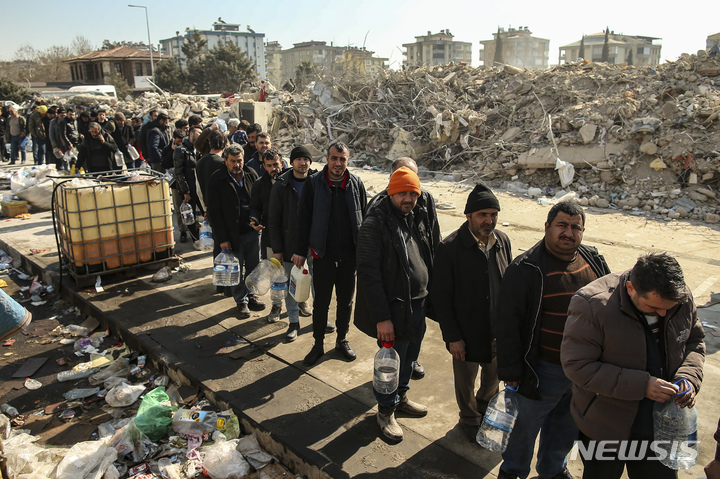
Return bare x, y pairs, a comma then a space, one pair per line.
228, 207
469, 265
394, 264
282, 225
97, 151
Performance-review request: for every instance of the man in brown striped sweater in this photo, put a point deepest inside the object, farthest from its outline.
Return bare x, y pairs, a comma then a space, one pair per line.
531, 313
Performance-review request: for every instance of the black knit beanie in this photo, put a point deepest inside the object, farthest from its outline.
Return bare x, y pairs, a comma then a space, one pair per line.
481, 198
300, 152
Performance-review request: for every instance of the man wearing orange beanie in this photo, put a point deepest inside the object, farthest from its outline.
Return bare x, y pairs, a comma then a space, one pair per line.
394, 264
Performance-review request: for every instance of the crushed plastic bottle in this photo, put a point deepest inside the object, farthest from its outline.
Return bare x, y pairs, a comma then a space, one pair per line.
676, 432
498, 422
196, 423
81, 393
386, 371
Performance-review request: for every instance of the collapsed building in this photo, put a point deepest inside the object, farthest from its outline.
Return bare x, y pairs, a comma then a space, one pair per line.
643, 139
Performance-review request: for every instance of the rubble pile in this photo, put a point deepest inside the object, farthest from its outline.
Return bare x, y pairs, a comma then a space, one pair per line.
642, 139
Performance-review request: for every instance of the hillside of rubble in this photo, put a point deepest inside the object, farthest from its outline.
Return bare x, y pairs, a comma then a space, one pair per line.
644, 139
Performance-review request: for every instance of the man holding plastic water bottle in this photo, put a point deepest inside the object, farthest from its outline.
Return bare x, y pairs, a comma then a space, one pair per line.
629, 341
529, 321
282, 222
395, 251
469, 265
228, 209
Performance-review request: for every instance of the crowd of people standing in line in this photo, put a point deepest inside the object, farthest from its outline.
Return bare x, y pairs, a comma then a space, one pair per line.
589, 351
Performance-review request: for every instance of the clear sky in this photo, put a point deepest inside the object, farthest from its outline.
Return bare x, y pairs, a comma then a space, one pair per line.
388, 24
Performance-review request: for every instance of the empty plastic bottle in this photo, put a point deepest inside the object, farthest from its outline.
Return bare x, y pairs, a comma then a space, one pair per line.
119, 159
261, 278
9, 411
226, 269
386, 373
81, 393
186, 211
676, 432
279, 287
197, 423
71, 375
206, 241
498, 422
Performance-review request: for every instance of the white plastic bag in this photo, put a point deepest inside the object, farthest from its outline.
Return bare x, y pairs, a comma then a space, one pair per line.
223, 461
566, 171
89, 459
31, 183
124, 394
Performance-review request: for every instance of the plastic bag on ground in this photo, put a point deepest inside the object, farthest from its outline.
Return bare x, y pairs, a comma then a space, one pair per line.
223, 461
124, 394
31, 183
24, 457
87, 459
154, 416
129, 440
107, 429
119, 368
162, 275
249, 447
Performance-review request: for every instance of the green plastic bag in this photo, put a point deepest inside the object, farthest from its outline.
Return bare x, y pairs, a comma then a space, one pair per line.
155, 414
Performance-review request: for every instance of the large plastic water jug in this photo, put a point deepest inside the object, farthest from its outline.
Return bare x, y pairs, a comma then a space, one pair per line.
675, 431
498, 422
300, 283
258, 282
386, 371
226, 269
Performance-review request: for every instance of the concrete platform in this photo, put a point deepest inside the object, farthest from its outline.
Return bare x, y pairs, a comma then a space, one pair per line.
319, 421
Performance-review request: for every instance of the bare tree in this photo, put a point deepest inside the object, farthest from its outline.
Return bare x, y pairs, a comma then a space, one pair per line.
81, 45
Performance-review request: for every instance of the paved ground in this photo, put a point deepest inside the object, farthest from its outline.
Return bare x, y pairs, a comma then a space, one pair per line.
322, 418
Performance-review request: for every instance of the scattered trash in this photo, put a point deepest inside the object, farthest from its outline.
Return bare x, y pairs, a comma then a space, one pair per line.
162, 275
124, 394
223, 461
32, 384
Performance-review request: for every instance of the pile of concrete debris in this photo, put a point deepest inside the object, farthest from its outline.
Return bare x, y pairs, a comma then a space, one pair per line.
642, 139
638, 138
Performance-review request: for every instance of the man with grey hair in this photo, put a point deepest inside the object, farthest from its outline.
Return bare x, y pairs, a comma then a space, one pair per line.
232, 125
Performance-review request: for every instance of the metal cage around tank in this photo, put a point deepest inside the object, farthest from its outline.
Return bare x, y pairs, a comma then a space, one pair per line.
113, 222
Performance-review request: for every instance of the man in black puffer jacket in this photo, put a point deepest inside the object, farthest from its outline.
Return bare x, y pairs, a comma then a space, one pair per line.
394, 263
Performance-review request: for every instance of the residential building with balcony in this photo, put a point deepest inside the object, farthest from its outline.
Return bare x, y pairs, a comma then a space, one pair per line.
321, 55
250, 42
361, 61
519, 49
636, 49
436, 49
273, 63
